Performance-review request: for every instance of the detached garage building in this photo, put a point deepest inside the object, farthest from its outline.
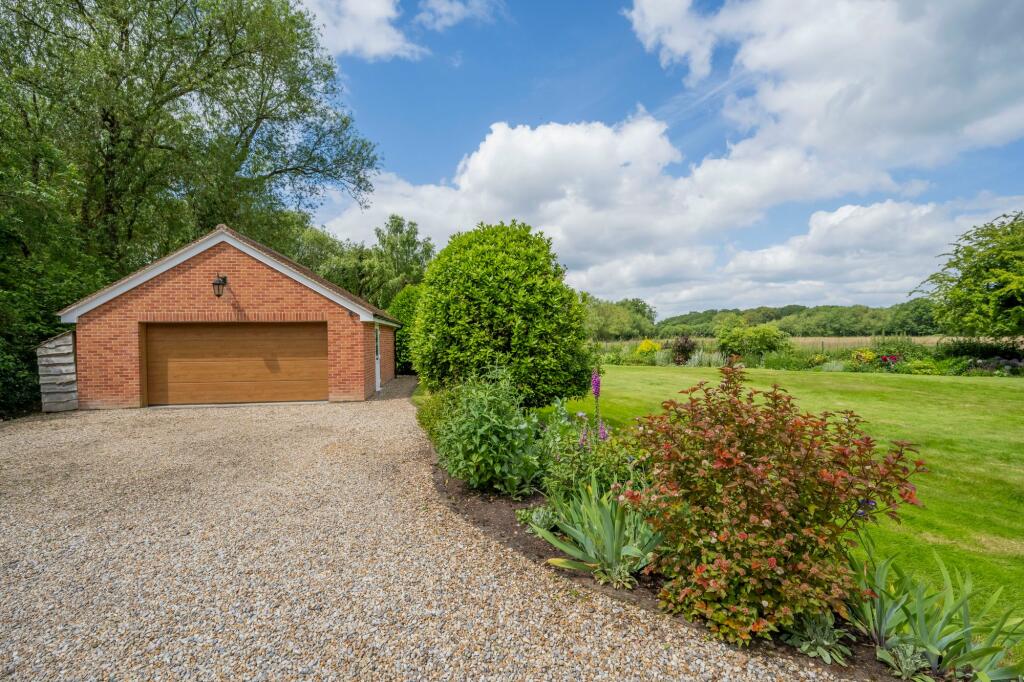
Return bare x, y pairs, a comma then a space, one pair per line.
227, 320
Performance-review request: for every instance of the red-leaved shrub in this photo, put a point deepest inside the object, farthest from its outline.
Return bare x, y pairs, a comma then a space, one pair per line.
757, 501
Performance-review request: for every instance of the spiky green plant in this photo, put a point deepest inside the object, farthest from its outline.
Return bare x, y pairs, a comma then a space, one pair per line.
601, 535
878, 612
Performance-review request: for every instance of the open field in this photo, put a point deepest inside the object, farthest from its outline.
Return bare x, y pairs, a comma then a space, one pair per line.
970, 432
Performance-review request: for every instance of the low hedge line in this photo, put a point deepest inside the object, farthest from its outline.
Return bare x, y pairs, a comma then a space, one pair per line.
900, 355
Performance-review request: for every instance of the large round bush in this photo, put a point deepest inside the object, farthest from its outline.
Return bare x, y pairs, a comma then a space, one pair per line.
403, 306
496, 296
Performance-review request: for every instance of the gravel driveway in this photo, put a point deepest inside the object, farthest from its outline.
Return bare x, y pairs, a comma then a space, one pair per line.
287, 541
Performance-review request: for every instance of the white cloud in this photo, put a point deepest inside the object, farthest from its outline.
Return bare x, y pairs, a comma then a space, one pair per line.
865, 254
594, 188
601, 191
872, 82
438, 15
363, 28
830, 99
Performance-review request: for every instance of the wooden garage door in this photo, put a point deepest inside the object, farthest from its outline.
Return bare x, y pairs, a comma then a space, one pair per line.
235, 363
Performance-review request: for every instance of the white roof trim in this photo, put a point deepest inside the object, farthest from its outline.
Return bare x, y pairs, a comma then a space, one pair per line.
74, 312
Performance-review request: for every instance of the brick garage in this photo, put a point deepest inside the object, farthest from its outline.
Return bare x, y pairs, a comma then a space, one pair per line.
276, 332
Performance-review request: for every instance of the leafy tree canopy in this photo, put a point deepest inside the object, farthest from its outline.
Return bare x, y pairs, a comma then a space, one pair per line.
626, 319
399, 259
404, 306
980, 289
377, 272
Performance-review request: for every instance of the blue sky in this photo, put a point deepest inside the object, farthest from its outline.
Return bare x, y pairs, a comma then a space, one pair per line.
750, 153
530, 64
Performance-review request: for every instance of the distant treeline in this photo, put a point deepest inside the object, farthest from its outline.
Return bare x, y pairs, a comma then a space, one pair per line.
634, 318
914, 318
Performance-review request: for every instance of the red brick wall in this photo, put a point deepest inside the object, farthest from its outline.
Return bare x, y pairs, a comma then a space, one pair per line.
369, 360
108, 342
387, 354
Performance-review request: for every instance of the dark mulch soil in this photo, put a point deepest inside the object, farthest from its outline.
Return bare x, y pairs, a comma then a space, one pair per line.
495, 515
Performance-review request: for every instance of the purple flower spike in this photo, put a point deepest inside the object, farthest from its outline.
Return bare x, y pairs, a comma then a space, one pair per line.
583, 437
595, 384
602, 432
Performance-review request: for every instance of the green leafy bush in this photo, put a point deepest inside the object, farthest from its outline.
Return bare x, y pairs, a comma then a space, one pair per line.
902, 346
955, 366
485, 438
574, 451
921, 367
429, 411
784, 360
609, 461
611, 358
19, 384
752, 343
980, 348
817, 636
496, 296
818, 359
603, 536
756, 501
403, 306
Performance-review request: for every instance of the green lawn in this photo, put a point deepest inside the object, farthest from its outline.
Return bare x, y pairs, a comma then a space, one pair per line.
970, 431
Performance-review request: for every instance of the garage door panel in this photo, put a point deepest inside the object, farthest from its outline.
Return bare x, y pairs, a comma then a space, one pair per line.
233, 363
192, 393
225, 344
238, 369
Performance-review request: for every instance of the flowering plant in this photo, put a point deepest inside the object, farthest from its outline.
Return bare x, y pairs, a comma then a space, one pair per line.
889, 362
756, 502
647, 347
864, 356
578, 449
598, 430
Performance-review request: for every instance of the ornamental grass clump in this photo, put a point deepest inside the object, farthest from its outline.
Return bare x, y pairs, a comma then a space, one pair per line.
756, 503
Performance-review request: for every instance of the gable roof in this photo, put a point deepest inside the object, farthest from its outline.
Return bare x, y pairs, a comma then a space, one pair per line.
224, 234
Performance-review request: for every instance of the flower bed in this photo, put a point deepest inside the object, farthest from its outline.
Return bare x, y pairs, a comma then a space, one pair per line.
738, 511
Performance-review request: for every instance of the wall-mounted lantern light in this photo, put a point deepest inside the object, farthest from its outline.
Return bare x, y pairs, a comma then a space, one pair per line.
219, 282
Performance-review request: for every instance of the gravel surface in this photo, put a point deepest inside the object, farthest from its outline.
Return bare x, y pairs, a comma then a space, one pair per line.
286, 541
